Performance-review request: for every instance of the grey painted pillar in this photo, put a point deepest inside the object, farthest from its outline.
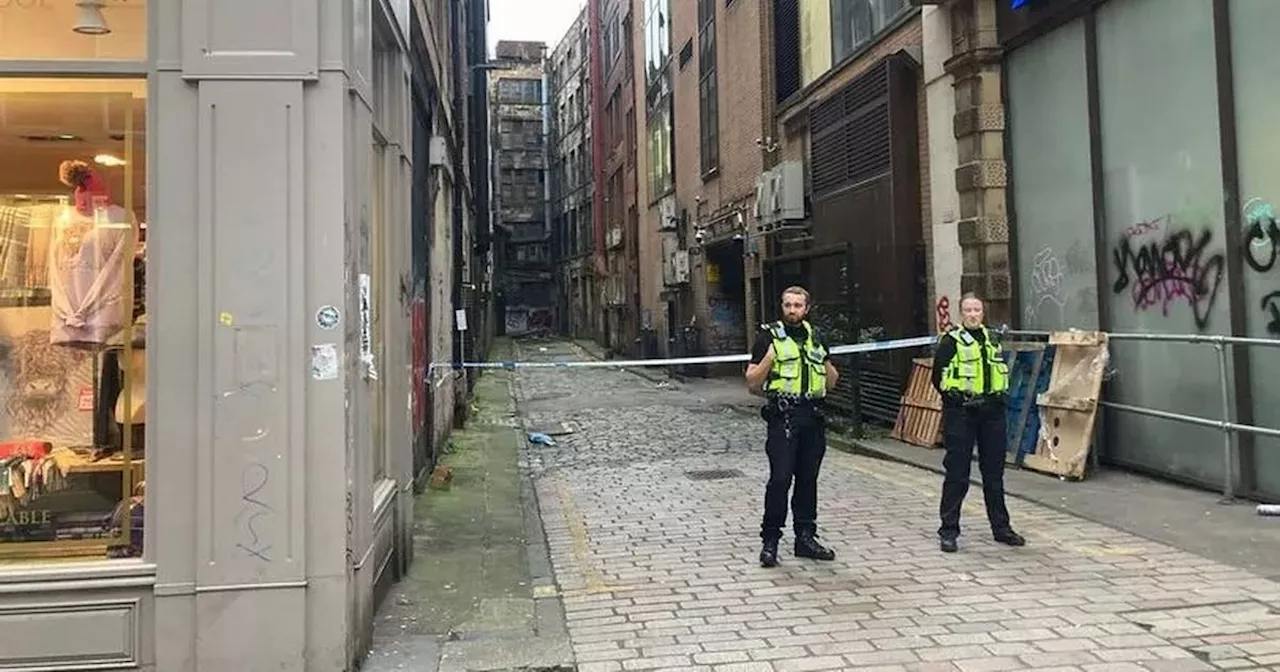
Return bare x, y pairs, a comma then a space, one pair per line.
249, 135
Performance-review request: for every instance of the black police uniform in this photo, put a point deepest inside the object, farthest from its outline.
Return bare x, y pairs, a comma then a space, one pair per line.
965, 419
796, 443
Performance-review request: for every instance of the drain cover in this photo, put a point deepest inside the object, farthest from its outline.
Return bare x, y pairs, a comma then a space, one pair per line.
713, 474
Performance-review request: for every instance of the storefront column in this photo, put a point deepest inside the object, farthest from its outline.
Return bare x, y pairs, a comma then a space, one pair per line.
248, 506
983, 228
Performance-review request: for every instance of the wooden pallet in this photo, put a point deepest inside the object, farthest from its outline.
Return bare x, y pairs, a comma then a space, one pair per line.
920, 415
1069, 408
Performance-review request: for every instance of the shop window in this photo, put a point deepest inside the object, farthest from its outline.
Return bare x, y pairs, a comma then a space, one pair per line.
71, 31
1256, 72
1052, 185
73, 398
1162, 187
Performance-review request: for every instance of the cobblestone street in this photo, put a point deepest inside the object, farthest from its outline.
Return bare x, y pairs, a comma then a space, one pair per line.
651, 501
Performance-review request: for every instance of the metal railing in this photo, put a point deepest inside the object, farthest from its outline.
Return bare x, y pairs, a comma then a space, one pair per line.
1229, 428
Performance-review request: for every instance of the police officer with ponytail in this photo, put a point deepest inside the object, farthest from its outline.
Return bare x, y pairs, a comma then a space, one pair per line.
974, 381
791, 367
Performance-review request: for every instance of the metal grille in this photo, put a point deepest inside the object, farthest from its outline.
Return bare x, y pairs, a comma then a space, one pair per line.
713, 474
851, 132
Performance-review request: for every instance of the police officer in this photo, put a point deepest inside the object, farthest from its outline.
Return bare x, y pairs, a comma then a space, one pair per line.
974, 382
790, 365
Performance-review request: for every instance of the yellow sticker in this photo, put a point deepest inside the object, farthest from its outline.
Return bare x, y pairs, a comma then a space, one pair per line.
226, 318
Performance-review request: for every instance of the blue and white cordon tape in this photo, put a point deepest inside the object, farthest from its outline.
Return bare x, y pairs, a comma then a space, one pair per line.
677, 361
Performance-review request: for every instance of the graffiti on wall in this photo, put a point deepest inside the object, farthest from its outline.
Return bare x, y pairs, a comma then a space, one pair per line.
942, 311
1261, 245
1161, 264
1051, 276
1046, 285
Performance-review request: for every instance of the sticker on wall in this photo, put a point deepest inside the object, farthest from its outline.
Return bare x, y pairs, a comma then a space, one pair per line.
366, 327
324, 361
227, 319
327, 317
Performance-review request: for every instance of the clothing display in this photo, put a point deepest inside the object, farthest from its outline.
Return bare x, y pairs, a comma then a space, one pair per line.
72, 348
87, 274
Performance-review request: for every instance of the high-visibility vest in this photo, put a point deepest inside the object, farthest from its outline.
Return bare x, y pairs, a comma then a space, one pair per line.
799, 369
967, 373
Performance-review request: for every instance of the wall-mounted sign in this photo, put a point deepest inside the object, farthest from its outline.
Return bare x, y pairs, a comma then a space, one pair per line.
1018, 21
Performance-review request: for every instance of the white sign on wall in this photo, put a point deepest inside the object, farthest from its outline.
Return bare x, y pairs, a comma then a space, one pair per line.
366, 327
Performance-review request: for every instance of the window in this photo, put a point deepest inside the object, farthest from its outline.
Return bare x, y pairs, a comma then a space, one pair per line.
815, 39
520, 91
657, 46
42, 30
855, 22
73, 359
708, 98
661, 178
73, 261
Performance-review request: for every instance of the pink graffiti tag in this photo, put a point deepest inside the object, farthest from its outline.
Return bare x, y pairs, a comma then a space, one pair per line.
1160, 271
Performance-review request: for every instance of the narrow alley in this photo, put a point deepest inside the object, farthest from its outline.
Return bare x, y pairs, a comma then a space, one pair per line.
650, 503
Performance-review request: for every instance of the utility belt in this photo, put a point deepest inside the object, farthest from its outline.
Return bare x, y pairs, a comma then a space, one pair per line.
779, 406
958, 399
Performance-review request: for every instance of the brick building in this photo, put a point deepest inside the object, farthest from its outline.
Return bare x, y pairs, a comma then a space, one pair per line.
571, 181
518, 100
617, 127
849, 132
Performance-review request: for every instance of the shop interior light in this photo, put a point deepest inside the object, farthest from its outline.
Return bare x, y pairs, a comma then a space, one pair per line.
108, 160
89, 18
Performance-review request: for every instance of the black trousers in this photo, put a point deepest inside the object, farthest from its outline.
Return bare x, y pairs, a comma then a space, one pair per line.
961, 427
794, 456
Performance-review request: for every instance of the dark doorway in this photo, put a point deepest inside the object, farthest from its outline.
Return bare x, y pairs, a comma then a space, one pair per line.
726, 299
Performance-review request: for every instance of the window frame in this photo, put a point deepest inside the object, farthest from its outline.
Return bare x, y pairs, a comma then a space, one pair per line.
139, 70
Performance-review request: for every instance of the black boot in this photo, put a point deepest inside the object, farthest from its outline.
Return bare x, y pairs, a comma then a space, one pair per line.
807, 546
1009, 538
769, 554
948, 544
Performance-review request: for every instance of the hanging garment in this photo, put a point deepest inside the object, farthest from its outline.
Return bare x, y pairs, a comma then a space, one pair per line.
88, 275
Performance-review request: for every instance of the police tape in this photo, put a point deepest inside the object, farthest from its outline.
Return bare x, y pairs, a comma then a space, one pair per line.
871, 346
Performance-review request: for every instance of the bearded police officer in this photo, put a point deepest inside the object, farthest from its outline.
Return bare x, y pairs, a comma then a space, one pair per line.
974, 381
790, 365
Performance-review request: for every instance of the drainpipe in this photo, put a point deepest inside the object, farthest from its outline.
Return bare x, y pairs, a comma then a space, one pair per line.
597, 139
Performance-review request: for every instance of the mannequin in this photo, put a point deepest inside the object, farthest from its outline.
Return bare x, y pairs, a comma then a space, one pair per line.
135, 373
110, 410
89, 257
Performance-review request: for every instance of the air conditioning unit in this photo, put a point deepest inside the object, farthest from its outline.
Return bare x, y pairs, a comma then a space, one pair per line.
787, 198
667, 215
682, 267
669, 247
763, 187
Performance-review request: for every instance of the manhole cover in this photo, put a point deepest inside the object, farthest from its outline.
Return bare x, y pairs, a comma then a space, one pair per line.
713, 474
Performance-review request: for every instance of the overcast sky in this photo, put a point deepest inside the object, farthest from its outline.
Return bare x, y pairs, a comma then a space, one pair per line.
534, 20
